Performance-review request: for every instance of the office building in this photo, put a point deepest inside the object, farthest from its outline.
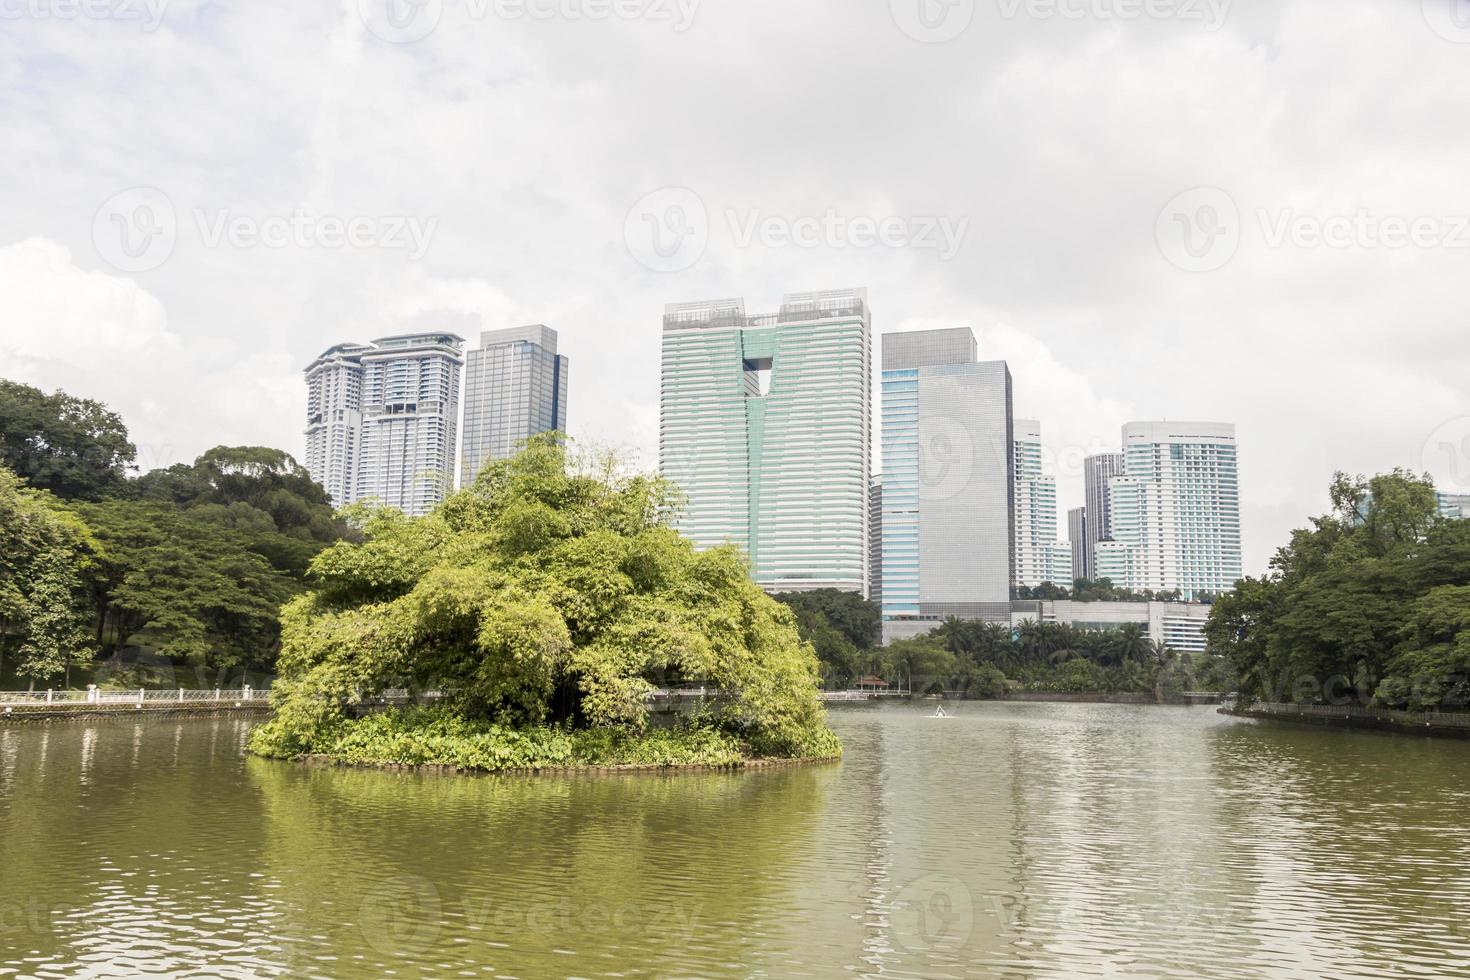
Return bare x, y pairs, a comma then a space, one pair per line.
1039, 556
1454, 506
765, 427
1178, 625
1097, 470
1077, 538
948, 515
410, 420
1175, 510
515, 387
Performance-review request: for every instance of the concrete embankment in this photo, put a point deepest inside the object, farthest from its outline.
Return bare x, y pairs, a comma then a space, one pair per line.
1436, 723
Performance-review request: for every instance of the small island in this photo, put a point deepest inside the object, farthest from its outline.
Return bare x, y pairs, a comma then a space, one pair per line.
543, 605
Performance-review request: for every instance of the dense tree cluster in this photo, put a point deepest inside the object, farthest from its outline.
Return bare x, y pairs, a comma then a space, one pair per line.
552, 592
189, 565
1097, 590
986, 660
1371, 602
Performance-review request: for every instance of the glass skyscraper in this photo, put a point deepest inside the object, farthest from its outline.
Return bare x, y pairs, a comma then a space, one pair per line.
515, 387
765, 427
948, 475
1097, 470
1175, 510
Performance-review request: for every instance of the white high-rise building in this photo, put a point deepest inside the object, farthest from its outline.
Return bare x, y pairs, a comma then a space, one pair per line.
1175, 510
334, 420
765, 427
515, 387
410, 420
947, 483
1040, 556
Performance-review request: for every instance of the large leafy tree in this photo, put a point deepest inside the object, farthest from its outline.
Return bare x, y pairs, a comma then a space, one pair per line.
192, 590
841, 626
74, 447
262, 494
553, 590
45, 554
1369, 600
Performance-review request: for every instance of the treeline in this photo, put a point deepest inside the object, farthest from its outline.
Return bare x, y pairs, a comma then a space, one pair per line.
1099, 590
1369, 604
986, 660
184, 566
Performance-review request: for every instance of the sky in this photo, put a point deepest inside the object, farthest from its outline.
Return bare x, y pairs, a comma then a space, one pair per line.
1248, 212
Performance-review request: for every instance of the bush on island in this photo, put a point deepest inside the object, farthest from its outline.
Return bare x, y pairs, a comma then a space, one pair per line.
546, 601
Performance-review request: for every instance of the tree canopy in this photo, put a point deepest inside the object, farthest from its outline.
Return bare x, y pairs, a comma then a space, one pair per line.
46, 554
73, 447
1371, 602
553, 590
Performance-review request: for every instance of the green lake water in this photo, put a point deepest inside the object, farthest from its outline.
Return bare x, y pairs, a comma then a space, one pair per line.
1012, 840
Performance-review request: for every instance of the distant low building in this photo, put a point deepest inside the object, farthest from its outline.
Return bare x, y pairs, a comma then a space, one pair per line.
1179, 625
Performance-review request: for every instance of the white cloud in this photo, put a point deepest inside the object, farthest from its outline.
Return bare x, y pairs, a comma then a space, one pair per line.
527, 141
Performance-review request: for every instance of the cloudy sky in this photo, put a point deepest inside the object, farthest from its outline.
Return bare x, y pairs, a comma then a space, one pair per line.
1252, 212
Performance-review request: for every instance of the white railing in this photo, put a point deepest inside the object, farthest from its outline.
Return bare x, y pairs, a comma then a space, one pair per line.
1444, 719
138, 696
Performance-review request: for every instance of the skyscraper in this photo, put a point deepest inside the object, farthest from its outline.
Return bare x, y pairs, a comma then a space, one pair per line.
1175, 510
1077, 537
764, 426
948, 514
410, 418
1096, 472
334, 420
875, 540
1039, 555
515, 387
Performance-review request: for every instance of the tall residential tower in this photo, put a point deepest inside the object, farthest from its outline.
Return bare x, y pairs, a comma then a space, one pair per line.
334, 420
1175, 510
410, 420
764, 425
1040, 557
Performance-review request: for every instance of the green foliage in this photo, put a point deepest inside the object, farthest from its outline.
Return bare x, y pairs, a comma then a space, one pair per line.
985, 660
73, 447
842, 627
1090, 590
45, 552
263, 495
551, 592
194, 590
1372, 598
443, 737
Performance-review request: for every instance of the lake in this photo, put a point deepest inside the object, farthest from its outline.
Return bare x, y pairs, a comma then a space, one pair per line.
1012, 840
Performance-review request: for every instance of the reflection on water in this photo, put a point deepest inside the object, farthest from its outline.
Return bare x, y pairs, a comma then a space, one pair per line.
1010, 841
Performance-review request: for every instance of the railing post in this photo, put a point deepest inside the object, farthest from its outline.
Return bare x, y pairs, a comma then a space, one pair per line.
181, 695
48, 695
216, 694
248, 693
141, 693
